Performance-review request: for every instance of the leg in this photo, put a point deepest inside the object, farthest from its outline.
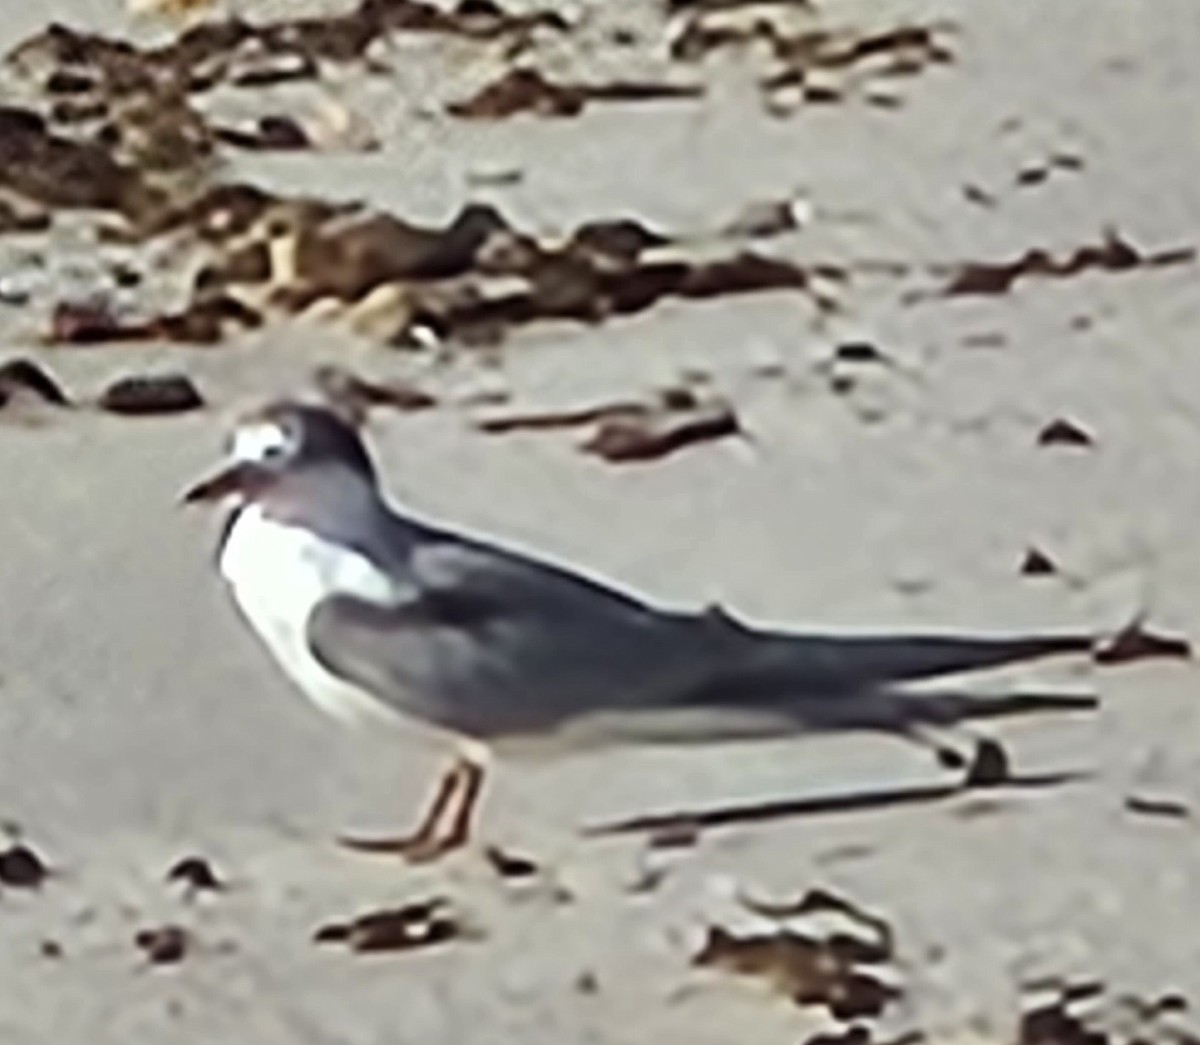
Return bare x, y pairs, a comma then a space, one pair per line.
458, 816
448, 784
460, 824
986, 766
447, 822
947, 755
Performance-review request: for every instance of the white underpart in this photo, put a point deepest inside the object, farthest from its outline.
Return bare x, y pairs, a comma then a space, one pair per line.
279, 574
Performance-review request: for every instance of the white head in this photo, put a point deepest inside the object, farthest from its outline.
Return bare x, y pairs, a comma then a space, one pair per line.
281, 440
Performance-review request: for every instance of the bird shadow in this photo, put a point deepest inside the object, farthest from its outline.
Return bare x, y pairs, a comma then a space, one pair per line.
987, 771
818, 805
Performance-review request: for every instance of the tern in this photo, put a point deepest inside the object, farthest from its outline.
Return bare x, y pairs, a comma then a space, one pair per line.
379, 616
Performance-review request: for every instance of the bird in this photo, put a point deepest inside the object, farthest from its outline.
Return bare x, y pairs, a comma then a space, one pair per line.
379, 616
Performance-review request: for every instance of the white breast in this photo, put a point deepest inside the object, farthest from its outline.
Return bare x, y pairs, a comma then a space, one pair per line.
278, 574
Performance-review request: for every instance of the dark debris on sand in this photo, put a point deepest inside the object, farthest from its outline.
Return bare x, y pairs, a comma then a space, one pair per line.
118, 132
196, 873
151, 394
23, 380
163, 945
1113, 253
411, 926
530, 91
814, 63
846, 972
1089, 1012
204, 321
21, 867
632, 430
470, 281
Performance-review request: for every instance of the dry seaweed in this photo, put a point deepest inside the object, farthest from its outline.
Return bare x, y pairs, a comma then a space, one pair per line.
819, 63
1088, 1013
201, 322
829, 973
204, 321
528, 90
23, 216
674, 6
84, 323
470, 280
614, 240
58, 172
413, 926
269, 133
1163, 808
835, 968
860, 1034
253, 54
651, 436
222, 212
346, 258
137, 145
908, 49
630, 430
1113, 253
539, 420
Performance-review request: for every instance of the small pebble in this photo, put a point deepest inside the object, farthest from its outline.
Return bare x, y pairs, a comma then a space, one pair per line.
196, 873
151, 394
1061, 432
21, 867
163, 946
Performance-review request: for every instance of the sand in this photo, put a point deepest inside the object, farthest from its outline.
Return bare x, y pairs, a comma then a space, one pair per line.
140, 722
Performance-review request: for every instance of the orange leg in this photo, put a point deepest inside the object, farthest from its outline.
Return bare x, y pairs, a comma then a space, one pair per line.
463, 816
446, 824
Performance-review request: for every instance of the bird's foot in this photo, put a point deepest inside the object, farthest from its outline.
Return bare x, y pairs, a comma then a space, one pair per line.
989, 766
950, 758
420, 847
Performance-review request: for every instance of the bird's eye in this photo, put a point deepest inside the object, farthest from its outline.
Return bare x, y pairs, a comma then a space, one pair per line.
275, 442
261, 442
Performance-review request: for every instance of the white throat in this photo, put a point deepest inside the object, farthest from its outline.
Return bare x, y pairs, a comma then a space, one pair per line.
278, 574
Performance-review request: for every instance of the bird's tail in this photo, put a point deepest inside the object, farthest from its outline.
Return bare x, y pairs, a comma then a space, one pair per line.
951, 708
831, 681
854, 662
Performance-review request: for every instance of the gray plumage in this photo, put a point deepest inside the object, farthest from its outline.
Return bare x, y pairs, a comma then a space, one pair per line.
497, 646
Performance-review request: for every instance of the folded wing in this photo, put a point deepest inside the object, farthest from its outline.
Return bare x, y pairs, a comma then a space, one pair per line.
491, 644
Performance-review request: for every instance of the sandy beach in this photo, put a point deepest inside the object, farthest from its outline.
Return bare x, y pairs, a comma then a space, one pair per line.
981, 219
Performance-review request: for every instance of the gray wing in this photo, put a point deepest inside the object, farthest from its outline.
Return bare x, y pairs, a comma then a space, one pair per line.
488, 643
491, 644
